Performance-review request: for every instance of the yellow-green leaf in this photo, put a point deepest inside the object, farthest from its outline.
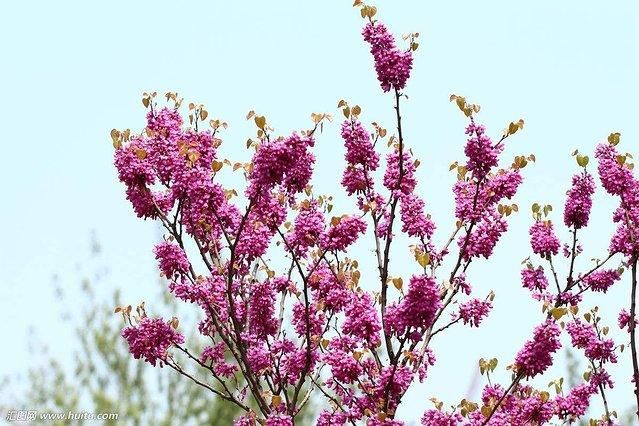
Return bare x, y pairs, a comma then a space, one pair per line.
260, 121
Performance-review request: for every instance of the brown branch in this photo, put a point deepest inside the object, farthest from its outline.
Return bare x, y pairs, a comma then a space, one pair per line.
633, 337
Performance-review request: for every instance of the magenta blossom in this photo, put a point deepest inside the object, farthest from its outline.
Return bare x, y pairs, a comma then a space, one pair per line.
543, 240
151, 339
579, 201
392, 65
536, 355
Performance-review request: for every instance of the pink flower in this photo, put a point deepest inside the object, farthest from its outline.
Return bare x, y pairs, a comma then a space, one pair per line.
166, 122
622, 241
522, 407
284, 162
616, 178
465, 192
262, 222
392, 66
536, 355
441, 418
279, 420
356, 180
567, 251
294, 361
542, 239
329, 289
309, 225
414, 222
472, 201
341, 235
311, 320
569, 298
362, 321
132, 164
503, 184
584, 337
392, 173
375, 421
327, 418
624, 320
172, 259
484, 237
359, 149
473, 311
151, 339
579, 201
213, 353
601, 378
534, 279
393, 383
245, 420
258, 358
602, 279
339, 356
575, 404
261, 310
460, 282
479, 150
417, 310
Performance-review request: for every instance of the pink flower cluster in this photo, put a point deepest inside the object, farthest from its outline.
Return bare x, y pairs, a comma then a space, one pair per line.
543, 240
343, 234
392, 66
602, 279
396, 182
617, 179
344, 367
415, 222
482, 155
214, 355
279, 420
625, 321
329, 289
534, 279
151, 339
172, 259
284, 162
418, 308
477, 197
474, 311
522, 407
309, 226
261, 310
473, 199
359, 149
579, 201
536, 355
441, 418
483, 239
585, 337
362, 320
330, 418
575, 404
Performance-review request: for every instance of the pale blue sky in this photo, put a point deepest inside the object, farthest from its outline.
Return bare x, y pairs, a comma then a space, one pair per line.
73, 70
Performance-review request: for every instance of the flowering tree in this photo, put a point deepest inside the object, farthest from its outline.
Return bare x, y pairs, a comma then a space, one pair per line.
282, 331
